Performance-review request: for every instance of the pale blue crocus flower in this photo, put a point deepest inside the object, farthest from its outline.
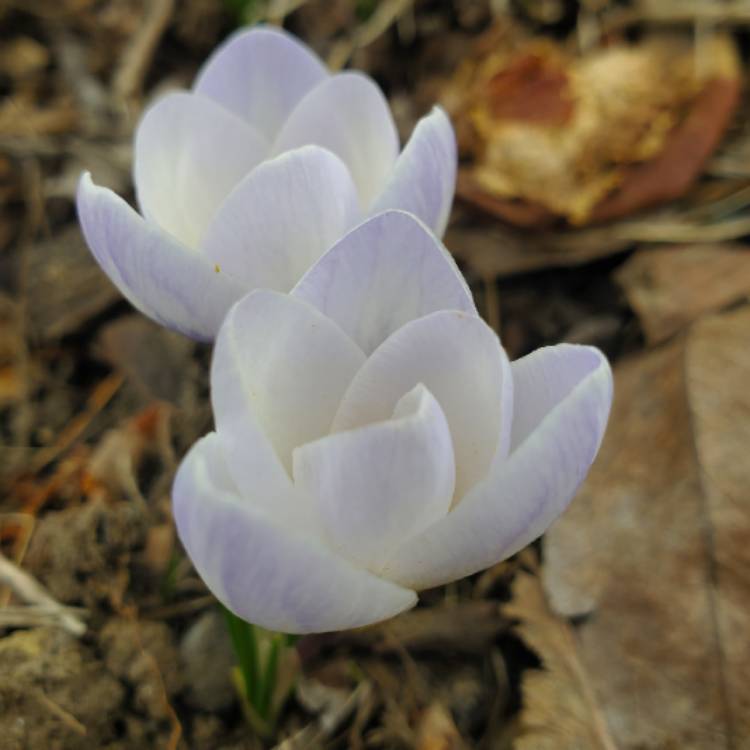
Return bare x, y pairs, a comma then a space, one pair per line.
372, 438
244, 181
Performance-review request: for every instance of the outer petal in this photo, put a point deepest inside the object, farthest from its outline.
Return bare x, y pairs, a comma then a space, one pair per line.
384, 273
189, 154
347, 114
375, 486
459, 359
279, 369
265, 572
523, 495
543, 379
424, 178
282, 217
260, 75
160, 276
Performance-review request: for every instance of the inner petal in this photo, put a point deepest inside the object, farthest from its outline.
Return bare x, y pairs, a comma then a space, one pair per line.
279, 369
459, 359
189, 154
375, 486
347, 114
281, 218
260, 75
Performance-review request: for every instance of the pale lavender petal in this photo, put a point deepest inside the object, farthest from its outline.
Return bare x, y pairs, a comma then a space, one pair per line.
522, 496
160, 276
260, 75
542, 380
282, 217
280, 368
347, 114
386, 272
269, 573
459, 359
189, 154
375, 486
424, 177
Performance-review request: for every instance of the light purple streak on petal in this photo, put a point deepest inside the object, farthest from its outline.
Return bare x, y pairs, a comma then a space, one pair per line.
375, 486
282, 217
260, 75
542, 380
424, 178
189, 154
279, 368
522, 496
161, 277
266, 572
347, 114
459, 359
386, 272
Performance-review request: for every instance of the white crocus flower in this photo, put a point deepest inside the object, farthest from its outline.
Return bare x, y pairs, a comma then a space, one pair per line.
372, 438
246, 180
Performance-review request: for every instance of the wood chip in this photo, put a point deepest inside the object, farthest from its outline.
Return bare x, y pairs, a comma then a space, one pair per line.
436, 730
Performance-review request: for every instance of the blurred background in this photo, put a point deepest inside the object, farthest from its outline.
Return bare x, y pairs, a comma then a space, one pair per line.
603, 197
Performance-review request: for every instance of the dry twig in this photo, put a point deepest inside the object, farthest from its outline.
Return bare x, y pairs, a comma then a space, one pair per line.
31, 591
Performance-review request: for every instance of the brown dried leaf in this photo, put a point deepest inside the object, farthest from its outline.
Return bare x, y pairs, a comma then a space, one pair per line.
159, 362
66, 286
671, 287
560, 710
594, 137
655, 547
466, 627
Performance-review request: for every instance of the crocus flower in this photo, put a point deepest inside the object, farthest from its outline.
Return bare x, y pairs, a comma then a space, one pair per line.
247, 179
372, 438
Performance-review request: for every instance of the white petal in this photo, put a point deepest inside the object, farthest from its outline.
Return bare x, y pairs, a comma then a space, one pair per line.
279, 369
542, 379
386, 272
282, 217
189, 154
160, 276
523, 495
267, 573
460, 360
377, 485
424, 177
347, 114
260, 75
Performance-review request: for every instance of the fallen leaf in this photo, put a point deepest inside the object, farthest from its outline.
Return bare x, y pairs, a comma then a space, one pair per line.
466, 627
66, 286
671, 287
492, 249
592, 137
560, 710
116, 459
159, 362
654, 550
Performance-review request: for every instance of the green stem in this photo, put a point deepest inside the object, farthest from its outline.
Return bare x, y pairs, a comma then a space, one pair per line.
259, 655
269, 680
246, 647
